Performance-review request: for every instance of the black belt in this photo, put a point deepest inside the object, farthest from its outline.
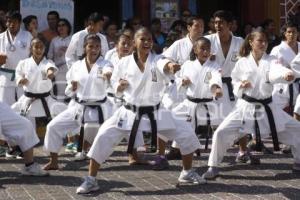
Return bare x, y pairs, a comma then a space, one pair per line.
140, 111
208, 122
265, 103
94, 104
227, 81
40, 96
11, 71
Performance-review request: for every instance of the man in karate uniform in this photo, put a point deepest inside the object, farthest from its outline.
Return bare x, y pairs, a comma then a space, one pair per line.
14, 46
75, 49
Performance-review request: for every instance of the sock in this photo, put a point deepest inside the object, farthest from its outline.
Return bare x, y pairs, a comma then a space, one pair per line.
28, 164
186, 171
92, 178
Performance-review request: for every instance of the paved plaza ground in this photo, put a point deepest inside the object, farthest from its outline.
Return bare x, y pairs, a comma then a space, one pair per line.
273, 179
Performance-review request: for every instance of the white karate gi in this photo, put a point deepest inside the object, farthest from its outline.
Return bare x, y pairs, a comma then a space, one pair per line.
91, 88
227, 64
37, 83
145, 89
21, 42
178, 52
56, 52
75, 49
113, 57
202, 78
241, 120
284, 54
16, 129
295, 66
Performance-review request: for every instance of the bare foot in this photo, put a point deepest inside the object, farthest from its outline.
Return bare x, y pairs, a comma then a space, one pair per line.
51, 166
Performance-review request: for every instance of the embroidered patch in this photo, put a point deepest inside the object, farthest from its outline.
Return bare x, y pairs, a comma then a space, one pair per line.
120, 123
188, 118
234, 57
208, 76
154, 76
99, 73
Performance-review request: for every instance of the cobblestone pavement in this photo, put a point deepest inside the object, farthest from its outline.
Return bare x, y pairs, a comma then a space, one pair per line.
273, 179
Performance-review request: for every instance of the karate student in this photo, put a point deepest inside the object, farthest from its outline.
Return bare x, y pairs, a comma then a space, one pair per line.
295, 66
87, 80
124, 47
178, 52
19, 131
202, 78
285, 94
34, 74
253, 78
94, 25
225, 47
141, 80
14, 46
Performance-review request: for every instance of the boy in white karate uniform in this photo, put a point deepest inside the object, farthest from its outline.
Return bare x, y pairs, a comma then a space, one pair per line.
75, 49
202, 78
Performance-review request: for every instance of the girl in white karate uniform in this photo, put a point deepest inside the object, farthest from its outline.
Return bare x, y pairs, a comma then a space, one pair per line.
34, 74
253, 78
141, 78
19, 131
87, 81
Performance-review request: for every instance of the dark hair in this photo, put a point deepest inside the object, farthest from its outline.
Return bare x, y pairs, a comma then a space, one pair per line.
122, 36
67, 23
27, 20
190, 20
109, 23
53, 12
14, 14
95, 17
155, 21
224, 14
246, 48
178, 22
38, 39
196, 43
142, 29
88, 37
267, 22
289, 24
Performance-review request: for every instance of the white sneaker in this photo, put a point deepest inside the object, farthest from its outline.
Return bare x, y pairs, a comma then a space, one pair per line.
34, 170
80, 156
191, 177
211, 173
90, 184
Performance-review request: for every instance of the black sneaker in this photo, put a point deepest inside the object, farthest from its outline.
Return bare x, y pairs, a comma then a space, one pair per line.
14, 153
173, 154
